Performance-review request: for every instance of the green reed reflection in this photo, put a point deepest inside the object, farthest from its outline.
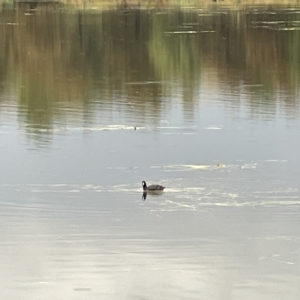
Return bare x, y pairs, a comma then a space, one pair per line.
61, 60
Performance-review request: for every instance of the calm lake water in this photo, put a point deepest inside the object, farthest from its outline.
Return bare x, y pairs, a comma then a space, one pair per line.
204, 102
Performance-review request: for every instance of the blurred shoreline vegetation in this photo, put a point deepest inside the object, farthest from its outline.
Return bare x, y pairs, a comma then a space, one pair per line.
145, 4
56, 60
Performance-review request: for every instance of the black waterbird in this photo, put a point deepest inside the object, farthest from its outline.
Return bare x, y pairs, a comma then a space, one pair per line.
152, 187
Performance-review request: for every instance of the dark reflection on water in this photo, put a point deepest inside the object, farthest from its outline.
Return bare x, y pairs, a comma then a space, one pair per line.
205, 103
151, 193
68, 66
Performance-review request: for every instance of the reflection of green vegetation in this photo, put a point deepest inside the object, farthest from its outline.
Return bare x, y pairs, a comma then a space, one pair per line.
62, 60
175, 54
47, 69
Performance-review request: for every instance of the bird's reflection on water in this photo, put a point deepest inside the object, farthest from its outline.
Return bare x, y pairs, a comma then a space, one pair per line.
151, 193
144, 196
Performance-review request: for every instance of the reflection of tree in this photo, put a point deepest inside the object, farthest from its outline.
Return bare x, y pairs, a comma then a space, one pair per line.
62, 61
175, 57
40, 52
271, 64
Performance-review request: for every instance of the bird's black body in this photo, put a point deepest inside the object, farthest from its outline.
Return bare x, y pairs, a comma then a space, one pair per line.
152, 187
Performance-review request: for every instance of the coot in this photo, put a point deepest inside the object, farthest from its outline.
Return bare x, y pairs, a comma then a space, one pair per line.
152, 187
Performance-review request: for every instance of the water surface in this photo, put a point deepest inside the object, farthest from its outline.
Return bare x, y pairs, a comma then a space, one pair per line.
204, 102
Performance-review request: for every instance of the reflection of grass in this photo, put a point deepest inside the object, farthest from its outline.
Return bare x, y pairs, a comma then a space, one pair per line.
176, 56
47, 67
63, 57
272, 60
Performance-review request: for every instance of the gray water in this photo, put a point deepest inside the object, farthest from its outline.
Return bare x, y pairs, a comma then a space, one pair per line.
91, 104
